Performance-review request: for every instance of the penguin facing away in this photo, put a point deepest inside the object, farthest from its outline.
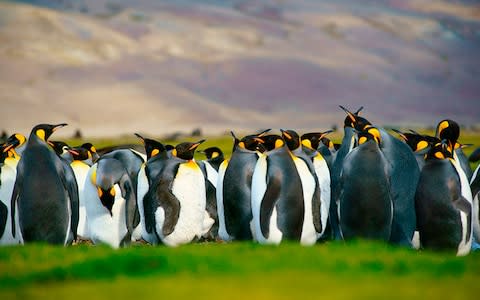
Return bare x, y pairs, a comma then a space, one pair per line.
443, 205
179, 196
147, 177
277, 196
110, 203
234, 189
45, 192
365, 208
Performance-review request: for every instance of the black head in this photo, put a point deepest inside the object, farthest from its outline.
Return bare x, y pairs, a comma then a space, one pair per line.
448, 130
80, 153
369, 134
416, 141
249, 142
186, 150
291, 138
59, 147
92, 150
439, 151
14, 141
152, 147
213, 152
272, 141
313, 139
107, 197
354, 120
44, 131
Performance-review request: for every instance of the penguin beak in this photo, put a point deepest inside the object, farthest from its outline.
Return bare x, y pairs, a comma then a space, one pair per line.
194, 146
325, 134
73, 152
140, 137
263, 133
286, 134
349, 114
55, 127
400, 134
259, 140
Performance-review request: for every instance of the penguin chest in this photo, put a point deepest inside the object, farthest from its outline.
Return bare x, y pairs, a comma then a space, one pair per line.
109, 228
80, 170
189, 189
7, 181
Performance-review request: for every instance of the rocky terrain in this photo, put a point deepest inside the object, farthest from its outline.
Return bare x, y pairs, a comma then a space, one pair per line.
112, 67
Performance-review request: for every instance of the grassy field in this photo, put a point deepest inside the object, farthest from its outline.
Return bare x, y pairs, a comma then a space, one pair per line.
360, 270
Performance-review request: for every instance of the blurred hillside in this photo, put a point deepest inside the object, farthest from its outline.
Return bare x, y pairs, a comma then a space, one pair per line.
111, 67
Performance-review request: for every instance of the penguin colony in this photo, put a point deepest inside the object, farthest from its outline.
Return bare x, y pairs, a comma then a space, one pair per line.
274, 187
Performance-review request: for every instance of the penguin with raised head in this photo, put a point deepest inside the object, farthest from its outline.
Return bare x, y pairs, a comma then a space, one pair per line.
365, 208
62, 149
178, 197
443, 203
278, 205
209, 168
234, 189
45, 192
148, 176
404, 177
110, 203
314, 221
9, 159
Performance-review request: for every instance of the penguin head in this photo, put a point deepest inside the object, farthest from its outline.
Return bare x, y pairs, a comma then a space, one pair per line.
448, 130
213, 153
291, 138
15, 141
105, 183
416, 141
80, 153
439, 151
272, 142
186, 150
312, 140
44, 131
354, 120
152, 147
249, 142
369, 134
59, 147
92, 151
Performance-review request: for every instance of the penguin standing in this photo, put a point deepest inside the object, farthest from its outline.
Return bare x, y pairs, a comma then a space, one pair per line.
147, 176
210, 168
313, 227
178, 211
404, 178
9, 159
278, 205
109, 203
475, 188
234, 189
45, 192
365, 205
443, 204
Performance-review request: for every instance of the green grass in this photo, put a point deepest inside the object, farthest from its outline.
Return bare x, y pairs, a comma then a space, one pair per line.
358, 269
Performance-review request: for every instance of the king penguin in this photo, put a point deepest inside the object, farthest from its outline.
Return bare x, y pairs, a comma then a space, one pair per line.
45, 191
278, 207
365, 208
109, 203
234, 189
443, 204
420, 144
313, 227
210, 171
147, 176
9, 159
178, 211
404, 175
475, 188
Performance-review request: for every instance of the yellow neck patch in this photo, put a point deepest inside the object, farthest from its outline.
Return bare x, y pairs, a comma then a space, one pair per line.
215, 154
439, 155
21, 138
241, 145
174, 152
362, 140
93, 175
307, 143
41, 134
155, 152
421, 145
279, 143
444, 125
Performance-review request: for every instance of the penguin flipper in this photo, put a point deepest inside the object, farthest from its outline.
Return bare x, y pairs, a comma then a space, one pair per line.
72, 189
463, 205
3, 218
15, 195
129, 195
170, 205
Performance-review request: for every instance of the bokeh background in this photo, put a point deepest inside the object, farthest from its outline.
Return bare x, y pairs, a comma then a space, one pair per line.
112, 67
